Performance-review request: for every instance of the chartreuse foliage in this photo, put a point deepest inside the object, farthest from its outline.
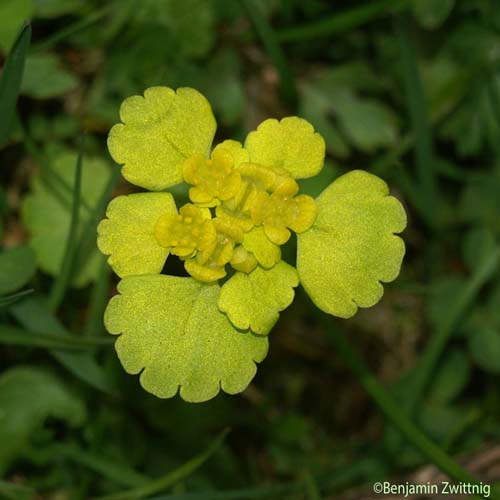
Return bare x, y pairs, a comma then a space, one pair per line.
196, 334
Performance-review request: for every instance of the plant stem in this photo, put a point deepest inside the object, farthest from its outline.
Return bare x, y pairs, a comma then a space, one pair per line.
171, 478
417, 106
343, 21
393, 412
426, 366
65, 275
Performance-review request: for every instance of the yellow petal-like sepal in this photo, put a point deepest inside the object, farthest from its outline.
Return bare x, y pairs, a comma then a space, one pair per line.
159, 132
187, 232
254, 300
243, 260
266, 252
290, 143
213, 180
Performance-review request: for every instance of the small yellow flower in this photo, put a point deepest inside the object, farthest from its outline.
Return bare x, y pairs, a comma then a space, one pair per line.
192, 334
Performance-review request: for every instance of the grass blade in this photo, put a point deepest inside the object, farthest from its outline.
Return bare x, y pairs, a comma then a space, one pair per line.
13, 298
273, 48
11, 79
343, 21
11, 335
424, 369
171, 478
64, 278
52, 180
73, 28
87, 243
394, 414
34, 316
120, 473
417, 106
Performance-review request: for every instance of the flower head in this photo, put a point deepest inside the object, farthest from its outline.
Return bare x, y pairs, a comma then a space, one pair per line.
193, 334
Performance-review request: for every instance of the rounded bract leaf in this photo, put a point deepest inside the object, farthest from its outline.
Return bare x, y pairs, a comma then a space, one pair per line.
352, 246
290, 143
17, 267
254, 300
159, 131
173, 332
128, 233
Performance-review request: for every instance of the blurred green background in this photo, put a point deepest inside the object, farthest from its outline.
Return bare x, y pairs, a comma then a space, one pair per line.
407, 89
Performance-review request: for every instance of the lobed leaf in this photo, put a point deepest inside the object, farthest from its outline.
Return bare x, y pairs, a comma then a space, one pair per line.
28, 396
351, 247
290, 143
172, 332
17, 267
159, 131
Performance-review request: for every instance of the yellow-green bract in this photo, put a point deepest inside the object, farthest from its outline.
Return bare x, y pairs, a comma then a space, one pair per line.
196, 335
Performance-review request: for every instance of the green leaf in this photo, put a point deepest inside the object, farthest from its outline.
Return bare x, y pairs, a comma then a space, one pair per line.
33, 315
315, 107
484, 347
13, 491
477, 244
331, 101
48, 218
173, 477
451, 377
445, 83
190, 22
368, 123
431, 14
157, 135
17, 267
54, 8
12, 15
12, 335
45, 78
475, 124
11, 78
8, 300
221, 81
28, 396
172, 332
351, 247
438, 420
68, 265
254, 300
480, 203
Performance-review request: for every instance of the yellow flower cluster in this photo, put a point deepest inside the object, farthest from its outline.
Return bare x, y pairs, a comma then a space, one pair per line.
244, 197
